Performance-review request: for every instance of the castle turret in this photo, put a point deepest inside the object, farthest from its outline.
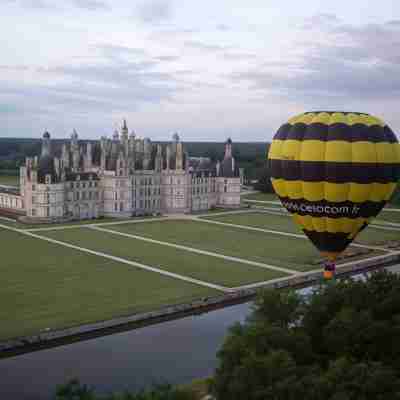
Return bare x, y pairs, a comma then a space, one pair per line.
88, 156
103, 149
146, 153
46, 144
179, 156
65, 156
158, 159
228, 148
75, 151
168, 157
124, 131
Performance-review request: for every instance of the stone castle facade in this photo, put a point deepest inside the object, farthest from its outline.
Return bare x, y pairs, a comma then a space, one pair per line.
122, 177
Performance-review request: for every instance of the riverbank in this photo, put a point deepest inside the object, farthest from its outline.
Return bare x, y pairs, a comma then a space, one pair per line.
60, 337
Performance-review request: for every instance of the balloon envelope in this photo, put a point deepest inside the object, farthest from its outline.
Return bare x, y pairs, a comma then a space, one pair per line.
334, 172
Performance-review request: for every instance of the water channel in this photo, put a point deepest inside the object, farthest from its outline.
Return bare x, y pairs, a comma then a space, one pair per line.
174, 351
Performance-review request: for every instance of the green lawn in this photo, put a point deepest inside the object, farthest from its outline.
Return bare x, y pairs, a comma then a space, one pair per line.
390, 216
262, 247
286, 224
9, 180
203, 267
261, 196
46, 285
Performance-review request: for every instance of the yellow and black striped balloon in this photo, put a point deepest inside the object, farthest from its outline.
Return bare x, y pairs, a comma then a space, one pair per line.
334, 172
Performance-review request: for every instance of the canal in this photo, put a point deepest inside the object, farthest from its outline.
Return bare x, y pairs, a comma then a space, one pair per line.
174, 351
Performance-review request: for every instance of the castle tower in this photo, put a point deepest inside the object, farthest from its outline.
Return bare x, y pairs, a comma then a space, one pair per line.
75, 151
158, 159
179, 156
125, 139
124, 131
168, 156
46, 145
146, 153
103, 147
65, 156
88, 156
228, 149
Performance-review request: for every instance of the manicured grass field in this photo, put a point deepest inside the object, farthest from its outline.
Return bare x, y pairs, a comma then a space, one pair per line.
261, 196
286, 224
272, 249
46, 285
203, 267
390, 216
9, 180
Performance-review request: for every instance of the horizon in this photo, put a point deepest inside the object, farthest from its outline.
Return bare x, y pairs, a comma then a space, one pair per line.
208, 71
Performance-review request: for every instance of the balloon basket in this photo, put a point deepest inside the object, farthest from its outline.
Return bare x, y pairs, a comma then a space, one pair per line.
328, 275
329, 270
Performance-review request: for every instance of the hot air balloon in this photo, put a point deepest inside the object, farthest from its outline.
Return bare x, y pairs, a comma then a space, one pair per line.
334, 172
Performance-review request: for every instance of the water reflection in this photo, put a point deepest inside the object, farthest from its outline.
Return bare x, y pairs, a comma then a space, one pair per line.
175, 351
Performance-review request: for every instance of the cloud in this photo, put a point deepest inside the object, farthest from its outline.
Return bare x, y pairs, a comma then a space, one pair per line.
117, 52
91, 5
168, 58
154, 11
8, 108
204, 46
236, 56
320, 20
223, 28
96, 88
349, 62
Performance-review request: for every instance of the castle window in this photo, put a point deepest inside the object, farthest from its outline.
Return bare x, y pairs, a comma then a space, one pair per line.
33, 212
78, 184
225, 189
33, 187
84, 185
116, 207
77, 195
121, 206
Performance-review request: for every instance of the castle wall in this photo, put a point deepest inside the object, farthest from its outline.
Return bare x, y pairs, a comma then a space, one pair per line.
228, 191
117, 182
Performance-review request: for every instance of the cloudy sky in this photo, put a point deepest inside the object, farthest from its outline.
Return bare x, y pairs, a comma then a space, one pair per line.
207, 69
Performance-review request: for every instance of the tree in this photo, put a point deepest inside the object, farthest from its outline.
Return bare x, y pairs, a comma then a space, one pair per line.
341, 343
264, 179
74, 390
